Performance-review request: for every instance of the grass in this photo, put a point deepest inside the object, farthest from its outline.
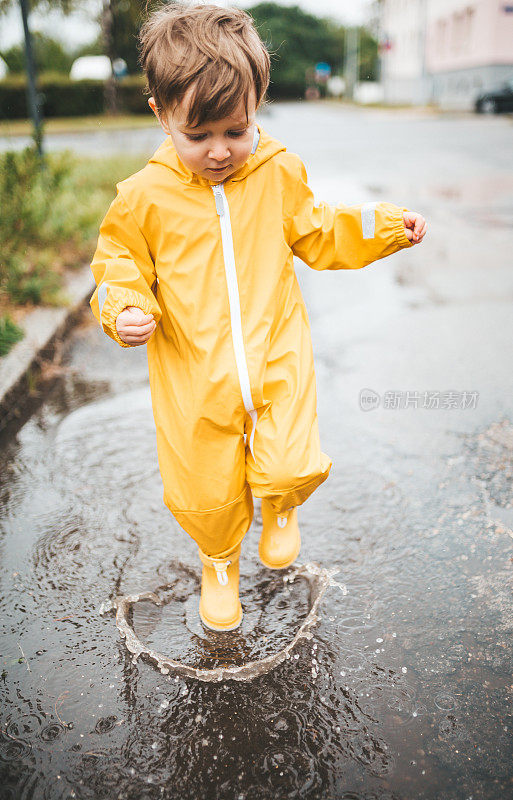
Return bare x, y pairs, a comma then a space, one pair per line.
23, 127
10, 333
49, 222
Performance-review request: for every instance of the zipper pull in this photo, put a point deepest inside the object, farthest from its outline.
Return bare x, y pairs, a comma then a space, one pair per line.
219, 201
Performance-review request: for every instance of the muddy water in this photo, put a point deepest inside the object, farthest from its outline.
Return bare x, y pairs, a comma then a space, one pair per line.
404, 689
252, 652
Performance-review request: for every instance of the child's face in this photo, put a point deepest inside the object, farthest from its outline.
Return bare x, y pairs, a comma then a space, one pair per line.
213, 150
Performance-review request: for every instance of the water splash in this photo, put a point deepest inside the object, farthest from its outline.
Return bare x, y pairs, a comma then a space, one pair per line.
320, 579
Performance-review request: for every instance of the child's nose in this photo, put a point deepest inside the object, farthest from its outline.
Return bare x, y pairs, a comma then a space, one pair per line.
219, 152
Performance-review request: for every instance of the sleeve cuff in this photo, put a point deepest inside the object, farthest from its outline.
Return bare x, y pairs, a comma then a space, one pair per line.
400, 234
114, 306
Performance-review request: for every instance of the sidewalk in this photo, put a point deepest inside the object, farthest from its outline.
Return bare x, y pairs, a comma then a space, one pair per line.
43, 328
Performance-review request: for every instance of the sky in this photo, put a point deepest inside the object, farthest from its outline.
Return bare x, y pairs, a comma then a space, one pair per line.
80, 28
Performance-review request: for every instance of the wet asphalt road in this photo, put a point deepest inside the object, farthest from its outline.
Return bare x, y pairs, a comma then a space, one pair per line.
405, 689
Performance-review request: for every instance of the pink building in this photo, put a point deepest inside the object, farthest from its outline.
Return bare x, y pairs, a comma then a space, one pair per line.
446, 51
469, 47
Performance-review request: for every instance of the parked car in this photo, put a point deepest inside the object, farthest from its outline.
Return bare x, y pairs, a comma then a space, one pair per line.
496, 100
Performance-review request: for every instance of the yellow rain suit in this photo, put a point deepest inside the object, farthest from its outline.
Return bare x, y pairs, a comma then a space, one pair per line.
230, 363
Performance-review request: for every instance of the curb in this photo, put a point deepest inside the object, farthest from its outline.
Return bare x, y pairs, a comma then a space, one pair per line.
43, 328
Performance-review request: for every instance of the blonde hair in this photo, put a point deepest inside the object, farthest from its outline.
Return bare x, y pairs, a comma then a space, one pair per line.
217, 49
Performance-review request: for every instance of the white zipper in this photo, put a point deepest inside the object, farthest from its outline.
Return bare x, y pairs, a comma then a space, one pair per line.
223, 212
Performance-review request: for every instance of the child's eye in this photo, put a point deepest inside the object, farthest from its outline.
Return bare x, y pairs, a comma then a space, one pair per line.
201, 136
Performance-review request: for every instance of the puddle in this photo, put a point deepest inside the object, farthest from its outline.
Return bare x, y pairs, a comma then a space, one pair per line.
318, 580
403, 678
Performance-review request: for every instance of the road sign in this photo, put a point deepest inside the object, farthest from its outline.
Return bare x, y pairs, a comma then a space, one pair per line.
322, 71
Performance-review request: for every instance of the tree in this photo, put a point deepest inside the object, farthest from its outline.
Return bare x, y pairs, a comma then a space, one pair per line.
120, 21
120, 26
49, 55
66, 6
33, 98
109, 23
297, 41
128, 16
368, 61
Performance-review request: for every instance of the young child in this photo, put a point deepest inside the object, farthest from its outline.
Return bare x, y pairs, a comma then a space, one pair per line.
195, 258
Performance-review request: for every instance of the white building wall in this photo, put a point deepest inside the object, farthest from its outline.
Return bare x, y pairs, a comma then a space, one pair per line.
402, 66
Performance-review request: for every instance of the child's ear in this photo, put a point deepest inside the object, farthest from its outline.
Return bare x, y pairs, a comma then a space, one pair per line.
163, 123
152, 104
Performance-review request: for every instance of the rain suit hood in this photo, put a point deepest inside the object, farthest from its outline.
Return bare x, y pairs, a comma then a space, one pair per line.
264, 146
230, 362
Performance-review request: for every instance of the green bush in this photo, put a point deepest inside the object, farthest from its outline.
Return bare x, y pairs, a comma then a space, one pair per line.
26, 282
13, 98
51, 210
29, 193
10, 333
286, 89
62, 97
132, 98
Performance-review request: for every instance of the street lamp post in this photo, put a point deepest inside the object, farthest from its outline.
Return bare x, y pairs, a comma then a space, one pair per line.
32, 93
424, 89
351, 60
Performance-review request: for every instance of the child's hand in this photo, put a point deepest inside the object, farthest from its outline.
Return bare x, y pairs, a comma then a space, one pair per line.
134, 326
414, 226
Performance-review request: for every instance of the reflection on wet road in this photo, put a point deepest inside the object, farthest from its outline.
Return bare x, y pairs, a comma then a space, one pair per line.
404, 689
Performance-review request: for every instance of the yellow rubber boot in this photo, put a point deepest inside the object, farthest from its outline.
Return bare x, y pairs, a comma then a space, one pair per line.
220, 608
280, 541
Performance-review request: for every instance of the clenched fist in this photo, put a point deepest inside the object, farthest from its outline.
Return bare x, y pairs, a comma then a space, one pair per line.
134, 326
415, 226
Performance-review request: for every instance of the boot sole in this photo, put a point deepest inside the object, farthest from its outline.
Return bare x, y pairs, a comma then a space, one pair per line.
229, 627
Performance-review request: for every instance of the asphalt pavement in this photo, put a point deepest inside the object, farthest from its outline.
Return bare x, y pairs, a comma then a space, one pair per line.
404, 690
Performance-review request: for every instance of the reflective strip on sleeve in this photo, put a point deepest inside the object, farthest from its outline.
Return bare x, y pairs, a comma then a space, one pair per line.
368, 220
